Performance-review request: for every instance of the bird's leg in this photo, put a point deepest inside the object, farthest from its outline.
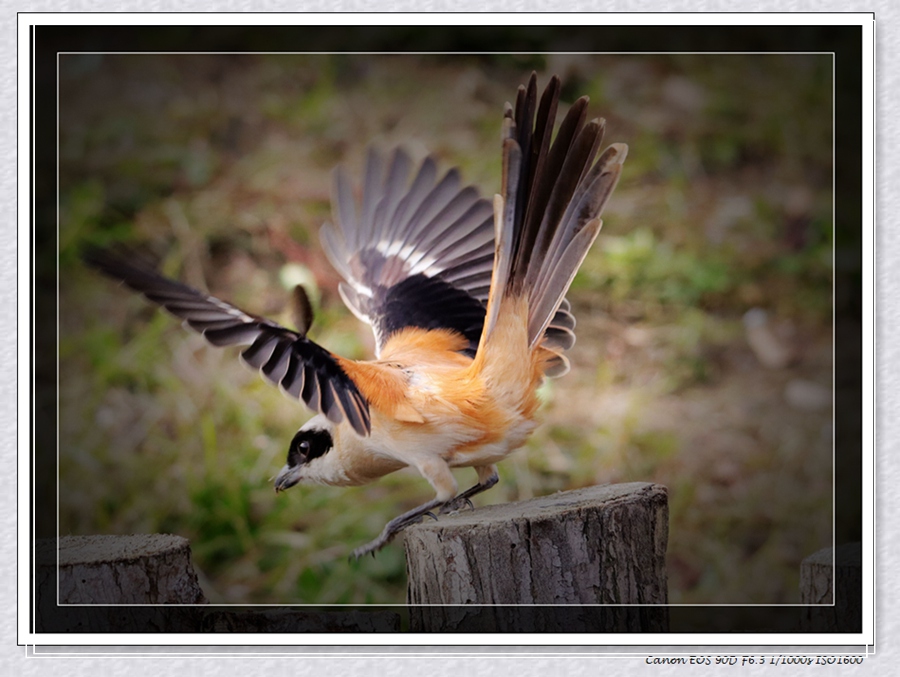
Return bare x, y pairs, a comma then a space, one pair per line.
396, 525
487, 477
438, 474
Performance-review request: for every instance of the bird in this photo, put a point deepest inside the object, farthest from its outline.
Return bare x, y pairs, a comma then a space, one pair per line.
466, 297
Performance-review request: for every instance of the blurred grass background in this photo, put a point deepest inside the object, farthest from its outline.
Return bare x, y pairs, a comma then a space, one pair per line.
222, 166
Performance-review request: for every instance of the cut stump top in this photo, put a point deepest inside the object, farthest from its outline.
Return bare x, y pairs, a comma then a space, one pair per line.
74, 550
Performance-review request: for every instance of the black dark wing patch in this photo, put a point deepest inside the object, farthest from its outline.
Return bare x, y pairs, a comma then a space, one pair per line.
287, 358
418, 252
429, 303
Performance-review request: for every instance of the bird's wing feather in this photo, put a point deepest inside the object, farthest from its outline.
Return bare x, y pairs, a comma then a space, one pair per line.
287, 358
418, 253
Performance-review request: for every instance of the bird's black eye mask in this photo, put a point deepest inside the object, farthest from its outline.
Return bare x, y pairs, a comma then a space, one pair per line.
307, 445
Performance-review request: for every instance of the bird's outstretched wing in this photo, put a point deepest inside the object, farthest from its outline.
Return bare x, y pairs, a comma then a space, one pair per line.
418, 251
285, 357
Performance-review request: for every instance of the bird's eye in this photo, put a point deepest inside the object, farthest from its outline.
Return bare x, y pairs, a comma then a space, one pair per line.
308, 445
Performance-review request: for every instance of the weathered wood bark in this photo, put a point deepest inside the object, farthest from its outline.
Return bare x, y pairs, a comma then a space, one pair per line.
146, 583
832, 577
601, 545
123, 571
139, 569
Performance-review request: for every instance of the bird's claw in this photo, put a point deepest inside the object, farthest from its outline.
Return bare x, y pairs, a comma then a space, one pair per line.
393, 527
369, 548
456, 504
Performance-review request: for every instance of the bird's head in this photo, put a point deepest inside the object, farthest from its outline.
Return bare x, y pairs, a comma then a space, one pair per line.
306, 454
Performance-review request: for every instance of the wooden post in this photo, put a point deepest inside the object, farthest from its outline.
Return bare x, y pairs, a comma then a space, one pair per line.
146, 583
602, 545
115, 574
139, 569
831, 584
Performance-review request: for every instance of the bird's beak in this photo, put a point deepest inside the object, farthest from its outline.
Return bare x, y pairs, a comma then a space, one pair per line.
286, 478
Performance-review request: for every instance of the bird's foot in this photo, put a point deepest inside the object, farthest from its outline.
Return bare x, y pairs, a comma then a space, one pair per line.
393, 527
462, 500
456, 504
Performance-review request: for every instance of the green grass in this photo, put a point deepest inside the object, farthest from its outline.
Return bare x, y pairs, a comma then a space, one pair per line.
222, 167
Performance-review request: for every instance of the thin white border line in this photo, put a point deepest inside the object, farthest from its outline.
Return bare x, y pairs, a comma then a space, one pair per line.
869, 548
403, 605
775, 659
840, 642
441, 606
874, 485
307, 644
58, 396
833, 325
32, 231
491, 19
479, 53
860, 652
482, 52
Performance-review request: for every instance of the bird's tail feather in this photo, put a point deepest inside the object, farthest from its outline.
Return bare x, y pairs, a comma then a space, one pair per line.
548, 213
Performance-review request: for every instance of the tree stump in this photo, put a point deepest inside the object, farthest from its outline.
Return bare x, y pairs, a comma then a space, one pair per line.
111, 575
139, 569
831, 584
603, 545
146, 583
